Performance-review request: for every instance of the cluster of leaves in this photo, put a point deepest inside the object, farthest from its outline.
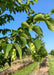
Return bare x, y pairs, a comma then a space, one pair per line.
13, 6
4, 60
42, 17
38, 50
52, 52
4, 31
20, 38
17, 42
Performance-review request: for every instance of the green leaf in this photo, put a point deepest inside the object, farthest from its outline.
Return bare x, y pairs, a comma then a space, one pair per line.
20, 1
27, 33
35, 1
14, 32
37, 44
32, 2
0, 48
19, 50
24, 25
27, 1
23, 42
52, 11
38, 30
38, 17
24, 35
50, 23
8, 48
4, 47
31, 12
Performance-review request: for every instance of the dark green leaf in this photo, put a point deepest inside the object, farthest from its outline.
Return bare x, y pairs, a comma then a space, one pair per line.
19, 50
52, 11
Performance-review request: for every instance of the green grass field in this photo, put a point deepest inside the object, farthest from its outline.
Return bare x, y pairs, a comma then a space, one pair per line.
51, 65
6, 67
27, 70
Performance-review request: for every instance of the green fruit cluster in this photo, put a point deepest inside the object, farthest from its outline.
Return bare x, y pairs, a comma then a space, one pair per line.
13, 55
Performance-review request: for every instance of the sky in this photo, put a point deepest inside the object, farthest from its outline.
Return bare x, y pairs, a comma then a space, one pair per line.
42, 6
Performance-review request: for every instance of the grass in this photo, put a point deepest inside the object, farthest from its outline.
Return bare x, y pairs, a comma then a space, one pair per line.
51, 65
27, 70
6, 67
3, 68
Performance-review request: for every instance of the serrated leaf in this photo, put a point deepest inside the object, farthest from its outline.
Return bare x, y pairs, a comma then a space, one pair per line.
35, 1
8, 48
37, 44
24, 25
38, 30
14, 32
4, 47
24, 35
31, 12
50, 23
23, 42
52, 11
38, 18
19, 50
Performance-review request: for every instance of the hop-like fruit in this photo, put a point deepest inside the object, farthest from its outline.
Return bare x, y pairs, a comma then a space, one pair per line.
13, 55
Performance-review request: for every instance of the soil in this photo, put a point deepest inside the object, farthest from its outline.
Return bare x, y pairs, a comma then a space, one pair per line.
43, 68
24, 62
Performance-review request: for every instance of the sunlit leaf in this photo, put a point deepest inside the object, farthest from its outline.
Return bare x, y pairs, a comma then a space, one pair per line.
37, 44
52, 11
35, 1
8, 48
38, 17
24, 25
38, 30
50, 23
